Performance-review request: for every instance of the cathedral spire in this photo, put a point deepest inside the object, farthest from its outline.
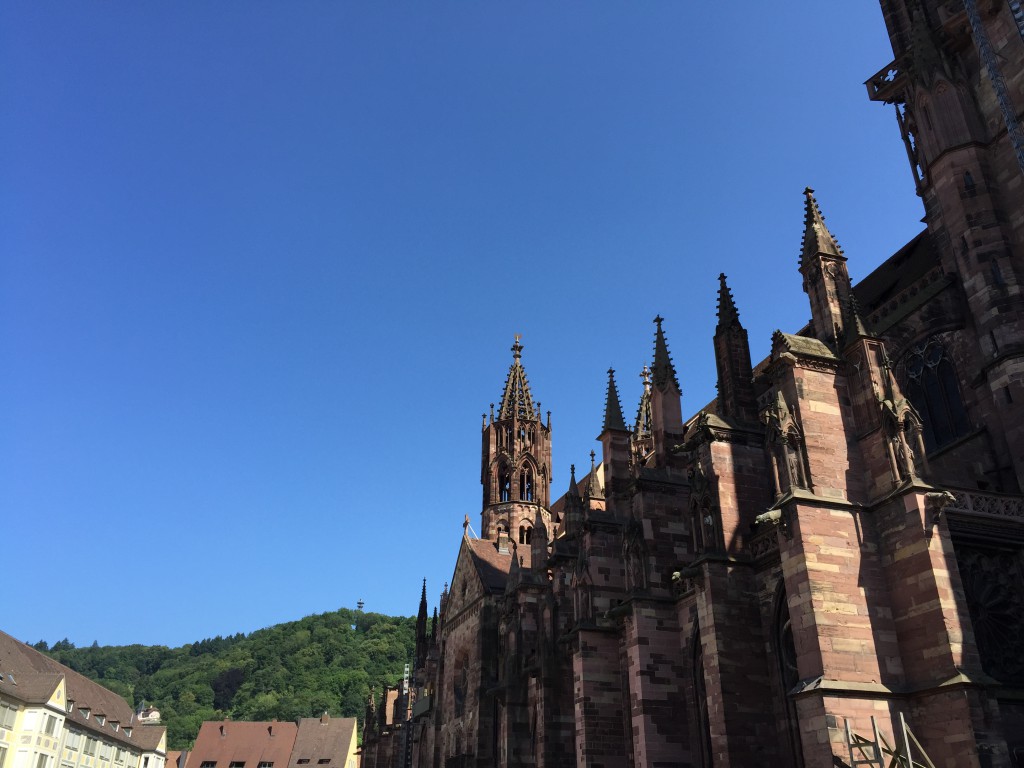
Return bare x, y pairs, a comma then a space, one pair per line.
421, 629
826, 280
593, 491
727, 313
642, 428
736, 397
817, 239
517, 400
664, 372
854, 321
573, 510
612, 409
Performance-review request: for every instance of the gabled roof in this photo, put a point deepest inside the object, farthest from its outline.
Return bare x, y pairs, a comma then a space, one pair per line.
228, 741
493, 566
37, 676
323, 738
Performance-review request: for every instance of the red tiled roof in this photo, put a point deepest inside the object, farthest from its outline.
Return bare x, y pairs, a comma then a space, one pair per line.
492, 565
323, 738
229, 741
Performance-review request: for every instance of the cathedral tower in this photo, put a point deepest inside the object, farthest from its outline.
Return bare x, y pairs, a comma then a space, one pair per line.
957, 83
516, 460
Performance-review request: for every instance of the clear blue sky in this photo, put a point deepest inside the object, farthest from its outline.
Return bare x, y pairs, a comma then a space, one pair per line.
262, 263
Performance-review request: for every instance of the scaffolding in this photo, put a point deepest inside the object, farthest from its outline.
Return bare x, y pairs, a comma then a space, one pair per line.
874, 751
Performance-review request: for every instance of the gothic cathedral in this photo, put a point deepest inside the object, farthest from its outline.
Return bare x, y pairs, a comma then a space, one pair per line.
825, 566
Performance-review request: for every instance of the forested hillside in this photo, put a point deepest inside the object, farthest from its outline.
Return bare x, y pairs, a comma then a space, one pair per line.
299, 669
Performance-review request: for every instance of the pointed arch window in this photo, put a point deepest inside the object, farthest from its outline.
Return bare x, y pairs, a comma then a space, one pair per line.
789, 675
931, 386
526, 483
504, 484
525, 534
700, 700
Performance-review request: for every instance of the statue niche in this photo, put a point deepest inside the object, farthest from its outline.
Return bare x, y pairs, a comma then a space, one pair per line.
784, 444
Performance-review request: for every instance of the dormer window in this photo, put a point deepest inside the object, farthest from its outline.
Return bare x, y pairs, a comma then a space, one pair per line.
85, 712
116, 725
70, 706
128, 731
101, 719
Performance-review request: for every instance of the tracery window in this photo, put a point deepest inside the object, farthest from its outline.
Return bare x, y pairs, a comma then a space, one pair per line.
931, 386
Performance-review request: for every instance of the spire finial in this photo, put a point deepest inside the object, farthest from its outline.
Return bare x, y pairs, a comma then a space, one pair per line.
517, 348
817, 239
645, 376
663, 372
727, 313
612, 408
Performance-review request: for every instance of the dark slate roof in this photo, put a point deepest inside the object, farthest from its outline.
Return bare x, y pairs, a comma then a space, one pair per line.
323, 738
896, 273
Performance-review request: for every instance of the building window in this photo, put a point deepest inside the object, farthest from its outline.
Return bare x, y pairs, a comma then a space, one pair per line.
119, 755
205, 764
101, 719
236, 764
42, 760
525, 534
3, 755
74, 740
323, 761
789, 676
700, 700
105, 751
932, 388
505, 486
526, 484
51, 725
303, 761
7, 715
90, 746
266, 764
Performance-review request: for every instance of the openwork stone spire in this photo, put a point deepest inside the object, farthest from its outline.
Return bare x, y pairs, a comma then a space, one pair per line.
516, 399
817, 239
664, 373
612, 408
